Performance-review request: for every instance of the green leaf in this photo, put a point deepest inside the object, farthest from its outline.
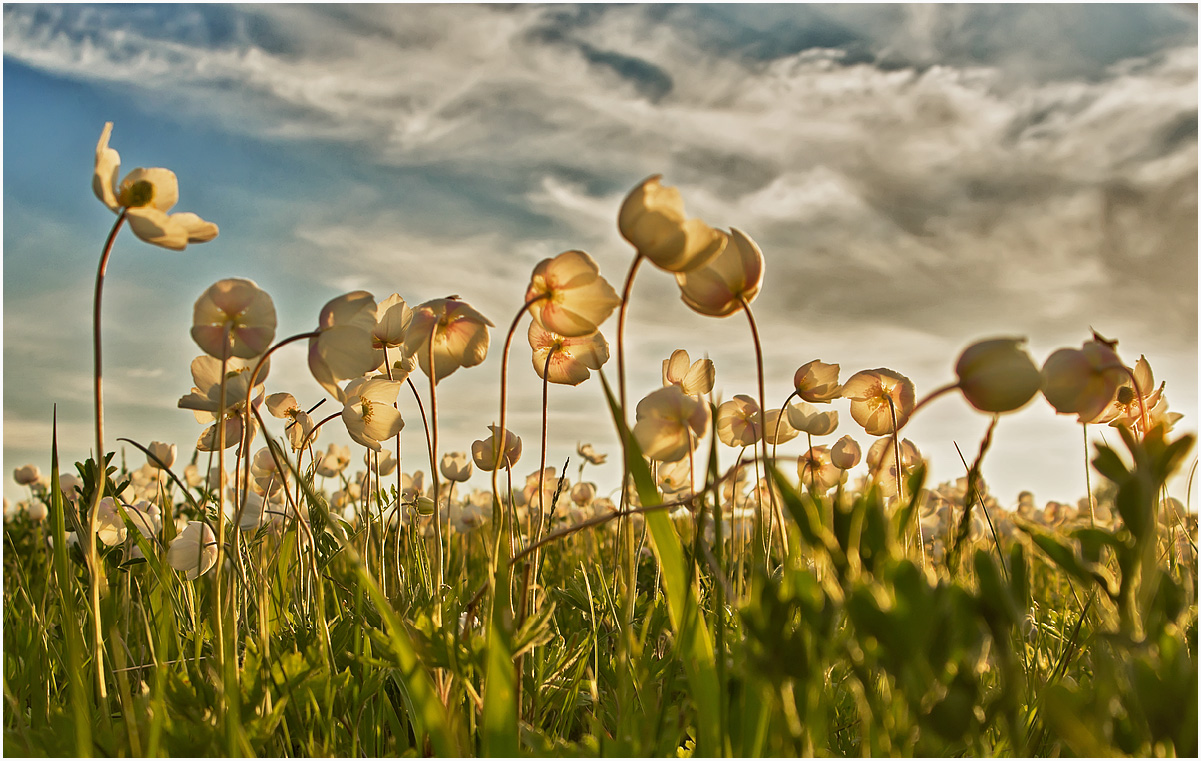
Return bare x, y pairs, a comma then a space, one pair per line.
66, 592
695, 647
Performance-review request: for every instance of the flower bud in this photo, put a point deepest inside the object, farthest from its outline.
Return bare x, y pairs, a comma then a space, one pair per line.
998, 375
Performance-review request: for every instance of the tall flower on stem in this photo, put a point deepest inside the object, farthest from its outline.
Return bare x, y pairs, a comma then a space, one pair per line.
728, 282
143, 197
444, 334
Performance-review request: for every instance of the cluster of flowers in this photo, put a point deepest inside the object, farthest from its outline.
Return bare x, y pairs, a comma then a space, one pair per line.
362, 352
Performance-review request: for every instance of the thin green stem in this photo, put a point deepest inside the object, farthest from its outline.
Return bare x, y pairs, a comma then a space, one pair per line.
94, 569
771, 492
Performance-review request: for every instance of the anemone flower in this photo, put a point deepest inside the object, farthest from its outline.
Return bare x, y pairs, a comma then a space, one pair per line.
816, 469
368, 412
668, 423
146, 195
455, 466
484, 451
393, 317
300, 429
729, 280
652, 219
695, 379
817, 382
739, 423
590, 455
846, 453
27, 475
333, 461
164, 455
234, 318
194, 551
776, 428
459, 334
571, 359
568, 296
876, 395
343, 345
807, 418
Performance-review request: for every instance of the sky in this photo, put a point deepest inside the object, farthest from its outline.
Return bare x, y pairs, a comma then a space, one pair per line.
918, 178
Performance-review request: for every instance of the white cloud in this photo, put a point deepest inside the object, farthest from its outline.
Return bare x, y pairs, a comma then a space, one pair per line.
904, 209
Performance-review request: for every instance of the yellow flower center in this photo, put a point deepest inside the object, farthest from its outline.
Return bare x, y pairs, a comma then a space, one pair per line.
140, 193
365, 410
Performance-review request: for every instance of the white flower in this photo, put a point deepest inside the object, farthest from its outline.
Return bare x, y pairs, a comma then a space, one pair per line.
146, 195
194, 551
369, 414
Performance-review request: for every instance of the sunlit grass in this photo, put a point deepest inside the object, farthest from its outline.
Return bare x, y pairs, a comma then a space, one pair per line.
264, 598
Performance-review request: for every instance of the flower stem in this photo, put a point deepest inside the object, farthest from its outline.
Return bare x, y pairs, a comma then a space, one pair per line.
767, 472
433, 374
625, 528
101, 472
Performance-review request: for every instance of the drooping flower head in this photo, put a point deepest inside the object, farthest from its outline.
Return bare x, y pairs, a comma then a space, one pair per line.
459, 334
146, 195
875, 395
652, 219
997, 375
572, 297
1083, 381
668, 424
235, 318
731, 278
343, 347
571, 359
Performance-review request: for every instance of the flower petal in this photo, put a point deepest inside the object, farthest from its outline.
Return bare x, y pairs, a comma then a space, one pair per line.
108, 165
154, 226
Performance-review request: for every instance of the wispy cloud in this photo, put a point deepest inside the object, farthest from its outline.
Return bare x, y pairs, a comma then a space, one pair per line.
917, 175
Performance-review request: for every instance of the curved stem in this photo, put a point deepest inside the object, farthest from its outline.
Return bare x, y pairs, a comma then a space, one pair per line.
500, 439
771, 492
932, 396
775, 439
429, 447
248, 430
101, 472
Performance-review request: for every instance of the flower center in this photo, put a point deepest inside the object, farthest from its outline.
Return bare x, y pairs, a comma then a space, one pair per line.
140, 193
365, 410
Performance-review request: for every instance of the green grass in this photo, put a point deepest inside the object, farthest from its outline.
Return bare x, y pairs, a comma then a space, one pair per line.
1066, 642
